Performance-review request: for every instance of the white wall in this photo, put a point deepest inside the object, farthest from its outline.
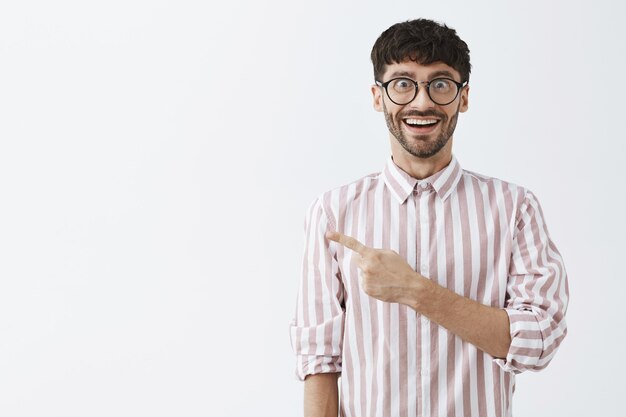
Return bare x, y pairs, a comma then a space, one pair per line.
157, 157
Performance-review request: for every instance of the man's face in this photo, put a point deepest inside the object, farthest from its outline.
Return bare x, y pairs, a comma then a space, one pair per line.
407, 123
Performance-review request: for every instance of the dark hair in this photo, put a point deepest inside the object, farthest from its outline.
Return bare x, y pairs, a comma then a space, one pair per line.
423, 41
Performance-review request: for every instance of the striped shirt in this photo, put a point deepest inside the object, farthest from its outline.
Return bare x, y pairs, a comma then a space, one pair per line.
481, 237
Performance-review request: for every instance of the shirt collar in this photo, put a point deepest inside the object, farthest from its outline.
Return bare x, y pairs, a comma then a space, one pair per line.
402, 184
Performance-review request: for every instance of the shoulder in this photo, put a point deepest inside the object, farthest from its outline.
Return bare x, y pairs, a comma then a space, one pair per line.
334, 201
495, 183
516, 197
356, 185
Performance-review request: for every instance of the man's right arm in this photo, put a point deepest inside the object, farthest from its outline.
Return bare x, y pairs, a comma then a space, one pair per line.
317, 328
321, 397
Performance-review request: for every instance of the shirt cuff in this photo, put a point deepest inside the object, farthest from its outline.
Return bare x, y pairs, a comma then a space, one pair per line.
311, 365
526, 342
318, 347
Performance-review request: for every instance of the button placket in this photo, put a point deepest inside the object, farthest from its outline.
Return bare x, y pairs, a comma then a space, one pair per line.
419, 191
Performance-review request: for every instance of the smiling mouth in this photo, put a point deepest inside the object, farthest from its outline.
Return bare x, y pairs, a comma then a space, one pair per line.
421, 125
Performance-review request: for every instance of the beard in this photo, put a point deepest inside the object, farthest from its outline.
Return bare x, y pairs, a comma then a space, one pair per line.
421, 147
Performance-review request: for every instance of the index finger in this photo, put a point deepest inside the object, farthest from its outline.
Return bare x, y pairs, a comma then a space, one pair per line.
347, 241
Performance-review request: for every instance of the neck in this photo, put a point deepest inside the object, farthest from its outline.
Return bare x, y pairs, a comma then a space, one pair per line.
421, 168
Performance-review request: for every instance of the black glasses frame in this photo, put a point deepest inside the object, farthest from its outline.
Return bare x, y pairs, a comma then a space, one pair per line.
417, 83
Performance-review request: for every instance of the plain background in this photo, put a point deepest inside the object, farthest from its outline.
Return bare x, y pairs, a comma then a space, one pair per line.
157, 159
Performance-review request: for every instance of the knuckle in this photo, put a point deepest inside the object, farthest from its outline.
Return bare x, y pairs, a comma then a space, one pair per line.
367, 267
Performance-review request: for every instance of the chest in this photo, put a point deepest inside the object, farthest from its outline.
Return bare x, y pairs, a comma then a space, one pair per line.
463, 243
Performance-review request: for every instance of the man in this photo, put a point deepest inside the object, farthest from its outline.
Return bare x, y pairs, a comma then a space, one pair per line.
425, 287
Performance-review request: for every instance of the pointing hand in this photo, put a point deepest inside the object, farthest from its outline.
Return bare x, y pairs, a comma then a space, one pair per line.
385, 275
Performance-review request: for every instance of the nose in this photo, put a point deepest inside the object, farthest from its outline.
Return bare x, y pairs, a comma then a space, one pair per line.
422, 99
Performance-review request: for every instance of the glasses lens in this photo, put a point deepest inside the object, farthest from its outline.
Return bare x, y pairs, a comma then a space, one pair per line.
442, 90
401, 90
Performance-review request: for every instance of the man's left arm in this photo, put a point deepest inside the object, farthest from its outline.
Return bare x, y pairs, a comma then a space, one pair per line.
485, 327
523, 335
385, 275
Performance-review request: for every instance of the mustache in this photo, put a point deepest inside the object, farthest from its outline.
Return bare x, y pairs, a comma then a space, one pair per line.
427, 113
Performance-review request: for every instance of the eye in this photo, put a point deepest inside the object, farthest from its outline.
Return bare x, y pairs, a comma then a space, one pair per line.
440, 85
402, 85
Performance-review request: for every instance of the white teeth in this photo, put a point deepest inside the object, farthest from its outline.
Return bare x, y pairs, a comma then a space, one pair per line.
420, 122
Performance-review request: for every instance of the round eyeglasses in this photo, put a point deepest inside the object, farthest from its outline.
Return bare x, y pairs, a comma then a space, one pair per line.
442, 91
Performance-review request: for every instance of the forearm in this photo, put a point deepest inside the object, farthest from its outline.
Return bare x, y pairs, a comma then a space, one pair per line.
485, 327
386, 276
321, 397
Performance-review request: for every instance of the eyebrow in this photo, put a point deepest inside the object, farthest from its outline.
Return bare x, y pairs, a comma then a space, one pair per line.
441, 72
411, 75
402, 74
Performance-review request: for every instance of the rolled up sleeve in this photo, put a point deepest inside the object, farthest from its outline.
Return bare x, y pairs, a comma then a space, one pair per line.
537, 293
317, 329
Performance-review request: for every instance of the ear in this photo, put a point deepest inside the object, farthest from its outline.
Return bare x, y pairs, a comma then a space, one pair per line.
464, 99
378, 97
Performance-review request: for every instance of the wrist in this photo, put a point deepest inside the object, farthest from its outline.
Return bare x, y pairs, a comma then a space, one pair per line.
419, 292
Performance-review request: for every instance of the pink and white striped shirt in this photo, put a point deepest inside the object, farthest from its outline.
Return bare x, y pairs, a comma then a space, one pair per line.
481, 237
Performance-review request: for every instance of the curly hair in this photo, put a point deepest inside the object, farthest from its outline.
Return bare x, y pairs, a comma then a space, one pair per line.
423, 41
